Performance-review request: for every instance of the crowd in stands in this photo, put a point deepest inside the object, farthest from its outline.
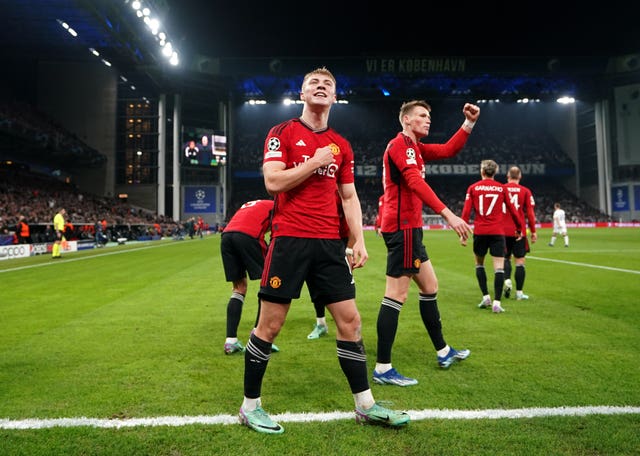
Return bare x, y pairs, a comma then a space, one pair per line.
451, 189
44, 136
37, 197
515, 137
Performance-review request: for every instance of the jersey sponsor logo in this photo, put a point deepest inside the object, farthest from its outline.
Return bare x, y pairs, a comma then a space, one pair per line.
329, 170
275, 282
300, 143
273, 143
411, 156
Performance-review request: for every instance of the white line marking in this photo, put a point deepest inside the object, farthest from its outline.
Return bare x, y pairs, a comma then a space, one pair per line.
586, 265
34, 423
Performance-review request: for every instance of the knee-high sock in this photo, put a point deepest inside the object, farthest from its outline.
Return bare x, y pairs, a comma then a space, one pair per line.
498, 283
481, 275
234, 312
256, 359
431, 319
507, 268
353, 362
387, 327
520, 275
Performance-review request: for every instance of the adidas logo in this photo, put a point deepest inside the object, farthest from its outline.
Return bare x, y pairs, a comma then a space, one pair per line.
300, 143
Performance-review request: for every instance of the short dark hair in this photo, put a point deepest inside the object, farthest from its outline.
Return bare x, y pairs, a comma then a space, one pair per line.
408, 106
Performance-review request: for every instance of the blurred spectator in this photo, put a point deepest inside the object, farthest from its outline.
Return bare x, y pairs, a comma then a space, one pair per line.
22, 231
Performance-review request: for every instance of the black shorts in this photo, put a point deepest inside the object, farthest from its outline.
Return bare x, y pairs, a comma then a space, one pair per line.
313, 294
516, 248
321, 263
59, 235
405, 252
493, 243
241, 255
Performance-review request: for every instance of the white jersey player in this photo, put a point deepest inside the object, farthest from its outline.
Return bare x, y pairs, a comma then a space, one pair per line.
559, 226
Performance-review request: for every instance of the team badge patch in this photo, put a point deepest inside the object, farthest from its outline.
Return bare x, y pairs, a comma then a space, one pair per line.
275, 282
417, 263
335, 150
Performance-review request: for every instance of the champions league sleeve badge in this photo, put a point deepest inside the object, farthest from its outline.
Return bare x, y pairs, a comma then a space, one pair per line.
411, 156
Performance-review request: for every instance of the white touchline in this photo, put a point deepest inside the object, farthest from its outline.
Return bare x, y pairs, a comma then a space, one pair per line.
536, 412
88, 257
586, 265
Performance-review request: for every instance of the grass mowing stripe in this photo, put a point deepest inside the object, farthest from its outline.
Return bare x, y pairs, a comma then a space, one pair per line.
317, 417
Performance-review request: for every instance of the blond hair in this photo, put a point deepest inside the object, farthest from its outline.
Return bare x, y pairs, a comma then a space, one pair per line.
321, 70
488, 168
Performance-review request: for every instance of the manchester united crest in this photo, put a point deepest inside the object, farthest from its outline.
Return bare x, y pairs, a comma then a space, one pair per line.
275, 282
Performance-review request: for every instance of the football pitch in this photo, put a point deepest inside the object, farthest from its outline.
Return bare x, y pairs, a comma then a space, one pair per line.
119, 351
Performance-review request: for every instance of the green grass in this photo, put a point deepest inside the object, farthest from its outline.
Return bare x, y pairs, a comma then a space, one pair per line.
137, 331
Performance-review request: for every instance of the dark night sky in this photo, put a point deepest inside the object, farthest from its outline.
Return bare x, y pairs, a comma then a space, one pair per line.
235, 29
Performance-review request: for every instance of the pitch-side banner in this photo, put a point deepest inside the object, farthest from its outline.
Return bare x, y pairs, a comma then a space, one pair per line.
8, 252
472, 169
620, 197
200, 199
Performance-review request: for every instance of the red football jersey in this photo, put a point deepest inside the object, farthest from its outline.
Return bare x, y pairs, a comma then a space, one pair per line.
310, 209
253, 219
486, 198
403, 173
521, 198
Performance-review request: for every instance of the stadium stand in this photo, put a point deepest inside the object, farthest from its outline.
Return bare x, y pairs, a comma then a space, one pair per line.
501, 138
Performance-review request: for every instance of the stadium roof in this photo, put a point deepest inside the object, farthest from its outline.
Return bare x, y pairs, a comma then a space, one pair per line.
267, 46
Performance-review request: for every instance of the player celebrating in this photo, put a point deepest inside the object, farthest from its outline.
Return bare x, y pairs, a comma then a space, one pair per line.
521, 198
486, 199
405, 193
305, 162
